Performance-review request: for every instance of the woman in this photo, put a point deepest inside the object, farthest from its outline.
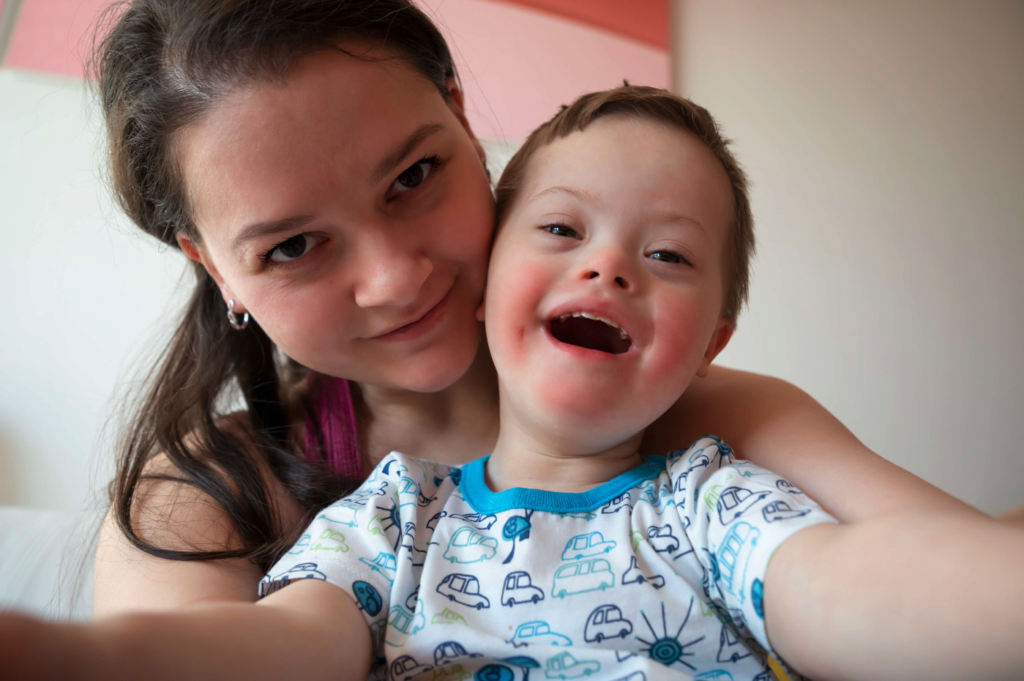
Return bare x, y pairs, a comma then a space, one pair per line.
313, 159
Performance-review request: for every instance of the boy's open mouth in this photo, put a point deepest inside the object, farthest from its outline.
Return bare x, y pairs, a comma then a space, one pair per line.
587, 330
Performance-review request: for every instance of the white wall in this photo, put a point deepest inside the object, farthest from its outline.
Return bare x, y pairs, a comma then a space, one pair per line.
885, 144
83, 295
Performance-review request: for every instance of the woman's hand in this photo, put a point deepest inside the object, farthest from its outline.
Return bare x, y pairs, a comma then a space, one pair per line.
922, 596
309, 630
779, 427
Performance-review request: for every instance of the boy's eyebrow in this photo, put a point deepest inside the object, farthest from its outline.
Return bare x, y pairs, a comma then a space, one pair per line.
392, 160
262, 229
676, 217
578, 193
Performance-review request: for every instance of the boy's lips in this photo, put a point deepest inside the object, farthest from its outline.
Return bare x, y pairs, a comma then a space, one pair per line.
420, 325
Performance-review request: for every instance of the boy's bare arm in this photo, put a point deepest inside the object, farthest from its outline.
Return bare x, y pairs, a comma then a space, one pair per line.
779, 427
910, 597
309, 630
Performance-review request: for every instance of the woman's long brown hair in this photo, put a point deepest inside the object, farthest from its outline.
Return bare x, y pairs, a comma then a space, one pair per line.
162, 66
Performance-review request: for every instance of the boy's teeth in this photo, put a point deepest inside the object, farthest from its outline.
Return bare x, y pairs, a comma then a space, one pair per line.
588, 315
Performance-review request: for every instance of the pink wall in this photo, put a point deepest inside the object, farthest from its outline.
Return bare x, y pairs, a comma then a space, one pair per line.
518, 64
54, 35
643, 20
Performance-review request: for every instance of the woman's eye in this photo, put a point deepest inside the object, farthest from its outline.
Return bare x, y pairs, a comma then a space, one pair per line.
561, 230
669, 257
414, 175
290, 249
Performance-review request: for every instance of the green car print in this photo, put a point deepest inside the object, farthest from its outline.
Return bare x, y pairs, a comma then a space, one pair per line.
565, 666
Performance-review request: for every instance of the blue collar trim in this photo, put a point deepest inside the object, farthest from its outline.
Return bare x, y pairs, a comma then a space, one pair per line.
484, 501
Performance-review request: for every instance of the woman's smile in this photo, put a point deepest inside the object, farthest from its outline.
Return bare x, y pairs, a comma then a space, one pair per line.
421, 325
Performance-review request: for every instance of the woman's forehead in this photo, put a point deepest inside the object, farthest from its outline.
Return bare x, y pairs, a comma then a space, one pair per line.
333, 118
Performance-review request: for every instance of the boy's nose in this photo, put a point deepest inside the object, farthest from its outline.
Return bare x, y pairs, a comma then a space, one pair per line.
610, 268
619, 281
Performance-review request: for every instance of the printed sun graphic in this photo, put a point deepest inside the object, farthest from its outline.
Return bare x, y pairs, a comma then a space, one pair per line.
666, 649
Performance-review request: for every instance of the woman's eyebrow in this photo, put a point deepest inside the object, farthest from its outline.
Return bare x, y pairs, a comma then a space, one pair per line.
261, 229
391, 161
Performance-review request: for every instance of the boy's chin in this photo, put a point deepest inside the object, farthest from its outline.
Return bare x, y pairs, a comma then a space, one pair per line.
591, 423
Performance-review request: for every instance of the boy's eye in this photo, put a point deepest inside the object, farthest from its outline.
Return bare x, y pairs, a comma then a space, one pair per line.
413, 176
669, 257
289, 249
561, 230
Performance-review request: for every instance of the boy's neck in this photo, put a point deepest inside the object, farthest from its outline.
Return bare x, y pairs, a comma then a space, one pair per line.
553, 462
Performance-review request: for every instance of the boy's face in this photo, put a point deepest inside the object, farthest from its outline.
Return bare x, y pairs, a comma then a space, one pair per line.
625, 223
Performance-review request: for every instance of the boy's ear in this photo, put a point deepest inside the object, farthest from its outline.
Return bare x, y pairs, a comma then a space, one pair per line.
719, 339
481, 311
196, 252
458, 107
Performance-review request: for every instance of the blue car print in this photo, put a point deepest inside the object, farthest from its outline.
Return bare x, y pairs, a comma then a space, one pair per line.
384, 563
780, 510
733, 556
538, 633
617, 504
450, 651
582, 576
519, 588
341, 514
606, 621
464, 589
469, 546
787, 486
662, 539
406, 668
735, 501
269, 585
633, 575
477, 520
585, 545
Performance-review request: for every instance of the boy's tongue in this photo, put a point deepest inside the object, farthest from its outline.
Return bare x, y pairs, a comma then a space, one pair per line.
592, 334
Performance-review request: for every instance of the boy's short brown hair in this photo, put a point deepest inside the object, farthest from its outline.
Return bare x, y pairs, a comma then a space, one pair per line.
661, 105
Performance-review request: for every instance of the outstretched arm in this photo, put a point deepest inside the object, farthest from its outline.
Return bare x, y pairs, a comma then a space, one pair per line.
309, 630
924, 596
779, 427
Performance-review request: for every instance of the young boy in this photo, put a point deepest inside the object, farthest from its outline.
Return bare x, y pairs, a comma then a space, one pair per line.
618, 270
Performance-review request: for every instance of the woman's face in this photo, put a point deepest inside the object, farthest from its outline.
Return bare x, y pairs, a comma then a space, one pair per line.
348, 210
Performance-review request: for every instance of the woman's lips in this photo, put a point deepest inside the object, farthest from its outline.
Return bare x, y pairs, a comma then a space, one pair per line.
421, 326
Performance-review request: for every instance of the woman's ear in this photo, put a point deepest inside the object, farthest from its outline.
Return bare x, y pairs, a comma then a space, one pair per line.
458, 106
719, 339
196, 252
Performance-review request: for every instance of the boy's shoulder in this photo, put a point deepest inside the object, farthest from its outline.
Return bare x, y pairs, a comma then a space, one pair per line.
707, 452
397, 466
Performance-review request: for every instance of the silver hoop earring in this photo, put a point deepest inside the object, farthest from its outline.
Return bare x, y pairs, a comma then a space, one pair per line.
233, 318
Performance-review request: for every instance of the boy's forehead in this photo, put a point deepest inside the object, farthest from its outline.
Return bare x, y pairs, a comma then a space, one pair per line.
633, 164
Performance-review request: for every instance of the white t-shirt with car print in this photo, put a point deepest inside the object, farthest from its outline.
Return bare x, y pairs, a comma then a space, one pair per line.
657, 574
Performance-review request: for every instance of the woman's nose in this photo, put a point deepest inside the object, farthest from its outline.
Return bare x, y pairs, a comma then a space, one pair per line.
391, 273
